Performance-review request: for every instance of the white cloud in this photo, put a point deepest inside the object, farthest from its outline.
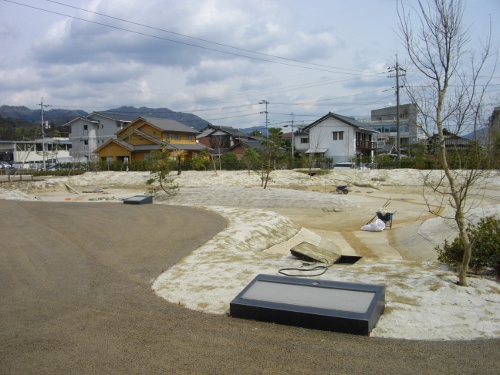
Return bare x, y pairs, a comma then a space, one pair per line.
74, 62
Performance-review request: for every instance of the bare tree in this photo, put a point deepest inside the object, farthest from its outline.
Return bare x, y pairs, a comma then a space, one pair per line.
450, 95
24, 152
274, 152
179, 155
219, 143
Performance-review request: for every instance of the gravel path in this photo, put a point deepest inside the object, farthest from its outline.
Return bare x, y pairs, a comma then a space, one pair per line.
75, 298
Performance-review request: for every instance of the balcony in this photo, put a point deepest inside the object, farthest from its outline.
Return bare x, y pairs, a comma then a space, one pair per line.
366, 145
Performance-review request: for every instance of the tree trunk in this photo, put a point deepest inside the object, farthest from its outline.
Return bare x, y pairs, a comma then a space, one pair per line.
458, 201
267, 172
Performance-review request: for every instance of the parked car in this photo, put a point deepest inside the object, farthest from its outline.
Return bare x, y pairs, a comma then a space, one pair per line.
348, 165
5, 165
20, 165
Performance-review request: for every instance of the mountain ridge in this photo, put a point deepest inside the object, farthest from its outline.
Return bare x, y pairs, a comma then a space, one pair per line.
59, 117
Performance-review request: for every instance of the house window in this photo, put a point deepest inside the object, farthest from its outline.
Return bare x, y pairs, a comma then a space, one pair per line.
85, 127
177, 137
304, 140
169, 137
338, 136
189, 137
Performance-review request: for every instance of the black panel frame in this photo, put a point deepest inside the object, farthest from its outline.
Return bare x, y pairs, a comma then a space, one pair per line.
311, 317
139, 199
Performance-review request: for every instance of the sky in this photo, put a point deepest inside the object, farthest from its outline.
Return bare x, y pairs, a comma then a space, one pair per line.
221, 60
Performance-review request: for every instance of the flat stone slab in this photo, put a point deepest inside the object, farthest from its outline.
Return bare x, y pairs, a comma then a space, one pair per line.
312, 253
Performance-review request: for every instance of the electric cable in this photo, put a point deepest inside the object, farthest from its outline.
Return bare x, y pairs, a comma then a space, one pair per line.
323, 268
180, 42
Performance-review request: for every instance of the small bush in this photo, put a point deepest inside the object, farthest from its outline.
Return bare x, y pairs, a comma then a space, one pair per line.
485, 239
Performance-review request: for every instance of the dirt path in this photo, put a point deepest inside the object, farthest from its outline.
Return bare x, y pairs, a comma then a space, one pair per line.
410, 210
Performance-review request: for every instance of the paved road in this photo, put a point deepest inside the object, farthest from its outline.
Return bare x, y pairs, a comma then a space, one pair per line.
75, 298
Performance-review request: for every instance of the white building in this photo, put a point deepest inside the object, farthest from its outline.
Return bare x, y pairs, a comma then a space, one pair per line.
32, 154
90, 132
336, 137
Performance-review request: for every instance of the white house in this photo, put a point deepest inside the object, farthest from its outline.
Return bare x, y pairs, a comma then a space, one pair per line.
336, 137
33, 154
90, 132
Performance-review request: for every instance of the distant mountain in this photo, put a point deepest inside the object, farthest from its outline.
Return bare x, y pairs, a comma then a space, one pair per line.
60, 117
261, 129
56, 116
188, 119
480, 134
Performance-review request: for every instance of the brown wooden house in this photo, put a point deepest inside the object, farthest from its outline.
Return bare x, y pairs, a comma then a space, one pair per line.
144, 135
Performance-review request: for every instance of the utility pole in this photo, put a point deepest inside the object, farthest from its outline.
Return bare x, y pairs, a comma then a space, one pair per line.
397, 69
293, 138
43, 131
266, 103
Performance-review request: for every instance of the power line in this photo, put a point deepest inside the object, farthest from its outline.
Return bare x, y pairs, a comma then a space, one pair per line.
200, 39
177, 41
309, 85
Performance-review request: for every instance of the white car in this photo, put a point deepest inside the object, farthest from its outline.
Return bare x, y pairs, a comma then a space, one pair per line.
5, 165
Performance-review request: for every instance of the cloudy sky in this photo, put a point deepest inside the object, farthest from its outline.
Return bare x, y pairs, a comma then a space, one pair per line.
215, 58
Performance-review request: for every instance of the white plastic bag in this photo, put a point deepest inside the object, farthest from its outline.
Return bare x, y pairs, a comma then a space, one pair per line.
375, 226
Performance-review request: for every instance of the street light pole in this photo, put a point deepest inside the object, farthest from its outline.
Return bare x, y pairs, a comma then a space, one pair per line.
293, 139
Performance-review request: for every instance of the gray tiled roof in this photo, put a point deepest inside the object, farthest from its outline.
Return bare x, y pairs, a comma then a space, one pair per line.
148, 147
196, 147
170, 125
115, 116
249, 143
235, 133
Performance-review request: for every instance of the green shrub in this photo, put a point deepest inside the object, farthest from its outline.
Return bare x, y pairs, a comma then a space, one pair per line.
485, 239
230, 162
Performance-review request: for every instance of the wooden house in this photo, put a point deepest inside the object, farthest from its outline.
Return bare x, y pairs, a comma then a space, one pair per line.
144, 135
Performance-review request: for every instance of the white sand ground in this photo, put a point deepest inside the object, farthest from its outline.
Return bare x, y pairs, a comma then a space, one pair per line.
422, 299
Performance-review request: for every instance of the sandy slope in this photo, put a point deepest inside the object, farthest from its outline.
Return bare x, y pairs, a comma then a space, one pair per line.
422, 300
